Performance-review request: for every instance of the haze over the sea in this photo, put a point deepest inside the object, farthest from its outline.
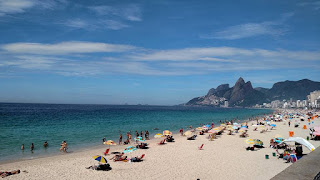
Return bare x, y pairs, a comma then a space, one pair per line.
151, 52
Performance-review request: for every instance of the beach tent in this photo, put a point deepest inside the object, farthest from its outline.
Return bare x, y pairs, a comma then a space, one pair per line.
302, 141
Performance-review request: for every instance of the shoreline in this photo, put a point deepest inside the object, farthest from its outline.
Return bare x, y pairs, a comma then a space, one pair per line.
224, 158
175, 133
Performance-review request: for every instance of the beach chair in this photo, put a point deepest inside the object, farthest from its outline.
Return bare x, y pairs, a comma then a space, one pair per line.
200, 148
106, 152
142, 156
162, 142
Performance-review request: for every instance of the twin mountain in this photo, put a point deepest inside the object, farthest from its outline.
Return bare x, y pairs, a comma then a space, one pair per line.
242, 94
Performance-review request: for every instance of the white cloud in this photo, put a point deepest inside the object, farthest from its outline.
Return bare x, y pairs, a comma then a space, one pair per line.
114, 25
20, 6
85, 59
223, 54
15, 6
315, 5
131, 12
69, 47
246, 30
94, 24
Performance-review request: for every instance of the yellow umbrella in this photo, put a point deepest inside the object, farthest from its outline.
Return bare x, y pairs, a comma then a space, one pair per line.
167, 133
217, 129
158, 135
109, 142
199, 129
250, 141
223, 125
188, 133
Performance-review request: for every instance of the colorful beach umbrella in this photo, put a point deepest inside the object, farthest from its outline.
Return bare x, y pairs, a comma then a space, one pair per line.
110, 142
158, 135
273, 125
212, 131
100, 159
249, 141
167, 133
139, 138
129, 149
199, 129
207, 125
188, 133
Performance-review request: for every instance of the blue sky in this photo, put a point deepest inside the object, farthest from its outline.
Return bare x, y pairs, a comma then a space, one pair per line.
151, 52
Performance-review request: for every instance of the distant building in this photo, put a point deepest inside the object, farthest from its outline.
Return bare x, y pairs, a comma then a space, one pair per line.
226, 103
313, 99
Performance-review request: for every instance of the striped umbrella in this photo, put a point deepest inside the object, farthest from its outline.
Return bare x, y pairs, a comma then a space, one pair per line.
100, 159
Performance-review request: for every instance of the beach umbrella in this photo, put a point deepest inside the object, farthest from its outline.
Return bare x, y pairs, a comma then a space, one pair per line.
223, 125
205, 127
302, 141
250, 141
217, 129
167, 133
235, 127
188, 133
100, 159
129, 149
244, 126
139, 138
158, 135
236, 124
212, 131
110, 143
199, 129
258, 142
273, 125
208, 126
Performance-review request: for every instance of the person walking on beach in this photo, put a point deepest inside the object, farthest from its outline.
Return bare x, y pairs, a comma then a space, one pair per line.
120, 139
141, 133
32, 147
289, 123
103, 139
137, 134
22, 147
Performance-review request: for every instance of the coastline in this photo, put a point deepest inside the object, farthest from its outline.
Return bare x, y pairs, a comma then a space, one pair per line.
223, 158
101, 146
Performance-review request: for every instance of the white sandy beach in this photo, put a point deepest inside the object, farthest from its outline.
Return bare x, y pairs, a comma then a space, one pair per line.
223, 158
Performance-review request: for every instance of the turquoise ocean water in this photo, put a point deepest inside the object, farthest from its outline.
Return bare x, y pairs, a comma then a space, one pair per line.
84, 126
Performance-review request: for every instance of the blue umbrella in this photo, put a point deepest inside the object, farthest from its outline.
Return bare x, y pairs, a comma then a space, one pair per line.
273, 125
208, 126
278, 140
244, 126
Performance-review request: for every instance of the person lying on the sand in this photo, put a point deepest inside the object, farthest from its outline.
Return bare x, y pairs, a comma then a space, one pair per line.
119, 157
5, 174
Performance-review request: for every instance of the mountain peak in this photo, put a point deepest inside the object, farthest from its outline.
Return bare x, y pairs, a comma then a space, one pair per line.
240, 81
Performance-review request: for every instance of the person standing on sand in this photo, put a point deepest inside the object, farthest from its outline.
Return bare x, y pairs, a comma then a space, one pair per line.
141, 134
137, 134
22, 147
120, 139
181, 131
289, 123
